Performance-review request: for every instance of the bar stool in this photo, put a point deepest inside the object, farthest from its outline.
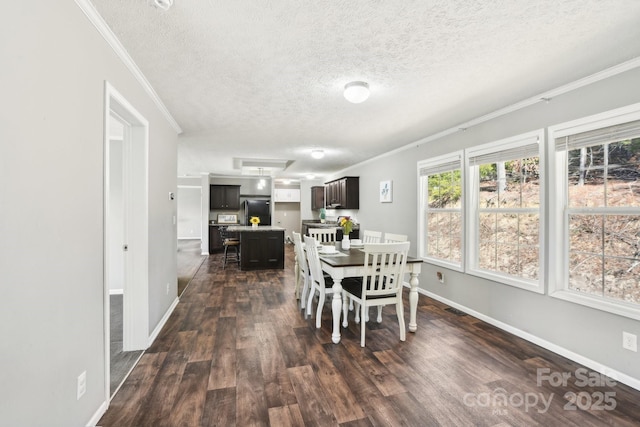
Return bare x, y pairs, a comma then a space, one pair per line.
230, 240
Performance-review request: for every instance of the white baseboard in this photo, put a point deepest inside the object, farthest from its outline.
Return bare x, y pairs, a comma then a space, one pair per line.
98, 414
578, 358
164, 319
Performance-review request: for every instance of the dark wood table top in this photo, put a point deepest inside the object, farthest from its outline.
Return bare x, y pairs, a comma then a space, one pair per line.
354, 257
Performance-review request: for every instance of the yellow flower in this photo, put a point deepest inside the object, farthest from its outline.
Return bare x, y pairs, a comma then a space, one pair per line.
346, 224
254, 220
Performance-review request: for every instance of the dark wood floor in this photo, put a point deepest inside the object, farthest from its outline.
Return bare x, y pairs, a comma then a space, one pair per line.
237, 351
189, 260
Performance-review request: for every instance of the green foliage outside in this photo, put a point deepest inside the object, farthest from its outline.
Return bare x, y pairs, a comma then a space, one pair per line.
444, 189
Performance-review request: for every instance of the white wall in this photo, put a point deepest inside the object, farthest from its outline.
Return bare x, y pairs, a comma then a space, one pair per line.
585, 334
305, 199
52, 213
189, 212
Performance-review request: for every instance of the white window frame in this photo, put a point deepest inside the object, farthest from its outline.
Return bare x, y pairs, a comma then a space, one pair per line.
472, 216
559, 247
423, 203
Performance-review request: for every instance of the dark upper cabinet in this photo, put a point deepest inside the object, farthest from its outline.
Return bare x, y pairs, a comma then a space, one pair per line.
317, 198
224, 197
343, 193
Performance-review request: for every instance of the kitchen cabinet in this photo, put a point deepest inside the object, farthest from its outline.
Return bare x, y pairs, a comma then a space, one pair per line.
317, 198
224, 197
261, 250
215, 240
343, 193
286, 195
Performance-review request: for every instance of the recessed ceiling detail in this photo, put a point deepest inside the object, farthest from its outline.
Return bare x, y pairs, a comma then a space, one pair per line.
260, 167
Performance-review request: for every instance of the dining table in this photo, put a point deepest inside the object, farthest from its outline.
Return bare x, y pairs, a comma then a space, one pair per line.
343, 263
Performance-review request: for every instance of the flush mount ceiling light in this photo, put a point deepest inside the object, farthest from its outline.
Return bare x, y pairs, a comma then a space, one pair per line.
356, 92
317, 154
163, 4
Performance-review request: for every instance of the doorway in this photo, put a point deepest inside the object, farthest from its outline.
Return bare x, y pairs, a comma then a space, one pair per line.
125, 238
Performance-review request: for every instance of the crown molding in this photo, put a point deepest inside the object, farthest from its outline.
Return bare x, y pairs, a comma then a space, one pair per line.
543, 97
99, 23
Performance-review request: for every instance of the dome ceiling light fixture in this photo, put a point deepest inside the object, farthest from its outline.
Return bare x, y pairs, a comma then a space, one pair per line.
163, 4
356, 92
317, 154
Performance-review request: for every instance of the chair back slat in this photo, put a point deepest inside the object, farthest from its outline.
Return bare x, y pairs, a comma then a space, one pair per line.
370, 236
313, 258
323, 235
384, 268
395, 238
300, 254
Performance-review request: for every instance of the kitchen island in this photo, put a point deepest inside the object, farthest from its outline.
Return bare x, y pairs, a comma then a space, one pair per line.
261, 248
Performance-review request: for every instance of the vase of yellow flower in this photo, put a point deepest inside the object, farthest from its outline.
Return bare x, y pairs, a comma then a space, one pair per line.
347, 225
254, 221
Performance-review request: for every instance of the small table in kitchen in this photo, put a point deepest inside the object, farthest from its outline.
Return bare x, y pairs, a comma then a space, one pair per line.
352, 265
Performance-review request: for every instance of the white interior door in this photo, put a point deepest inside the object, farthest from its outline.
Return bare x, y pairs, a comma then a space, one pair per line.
126, 234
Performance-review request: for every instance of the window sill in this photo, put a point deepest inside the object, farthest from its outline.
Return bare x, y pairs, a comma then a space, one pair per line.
443, 264
620, 308
509, 281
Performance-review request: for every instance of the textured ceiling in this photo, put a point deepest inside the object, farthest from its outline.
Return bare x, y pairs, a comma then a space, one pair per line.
264, 79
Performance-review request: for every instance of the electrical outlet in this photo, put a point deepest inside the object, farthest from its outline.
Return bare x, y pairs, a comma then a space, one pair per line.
629, 341
440, 277
82, 384
168, 289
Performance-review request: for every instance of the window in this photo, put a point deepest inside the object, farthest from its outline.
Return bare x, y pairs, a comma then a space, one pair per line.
505, 211
597, 161
441, 221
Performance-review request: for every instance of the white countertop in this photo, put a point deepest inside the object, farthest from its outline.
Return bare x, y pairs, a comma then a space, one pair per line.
257, 229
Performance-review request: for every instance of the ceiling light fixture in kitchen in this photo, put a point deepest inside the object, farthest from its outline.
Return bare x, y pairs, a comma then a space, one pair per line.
356, 92
317, 154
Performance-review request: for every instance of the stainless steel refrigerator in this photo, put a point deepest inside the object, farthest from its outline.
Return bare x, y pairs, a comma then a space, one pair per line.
259, 208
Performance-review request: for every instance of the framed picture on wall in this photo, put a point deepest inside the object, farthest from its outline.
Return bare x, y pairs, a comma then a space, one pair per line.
386, 191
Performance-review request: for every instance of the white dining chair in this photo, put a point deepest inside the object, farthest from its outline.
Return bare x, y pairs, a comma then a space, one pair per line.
395, 238
388, 238
319, 281
323, 235
381, 283
302, 272
370, 236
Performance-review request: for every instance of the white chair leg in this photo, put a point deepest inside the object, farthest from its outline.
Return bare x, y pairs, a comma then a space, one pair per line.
379, 314
305, 289
363, 326
319, 310
296, 272
400, 312
350, 304
357, 311
312, 291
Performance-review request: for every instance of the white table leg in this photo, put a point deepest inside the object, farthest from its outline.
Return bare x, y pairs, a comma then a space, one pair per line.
413, 301
336, 308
